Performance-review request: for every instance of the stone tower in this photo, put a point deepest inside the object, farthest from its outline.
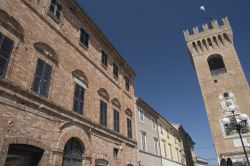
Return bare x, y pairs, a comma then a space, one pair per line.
222, 82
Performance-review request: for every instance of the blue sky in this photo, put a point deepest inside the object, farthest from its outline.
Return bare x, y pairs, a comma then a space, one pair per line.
148, 33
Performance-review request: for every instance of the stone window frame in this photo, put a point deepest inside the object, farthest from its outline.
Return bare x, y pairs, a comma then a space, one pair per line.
116, 70
129, 132
141, 114
47, 54
53, 14
156, 146
104, 59
154, 123
80, 79
127, 82
104, 97
143, 133
42, 78
84, 35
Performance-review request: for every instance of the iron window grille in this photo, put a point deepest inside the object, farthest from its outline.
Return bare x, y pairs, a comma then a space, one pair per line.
6, 47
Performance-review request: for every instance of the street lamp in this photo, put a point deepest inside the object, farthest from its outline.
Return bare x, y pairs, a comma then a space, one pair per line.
237, 122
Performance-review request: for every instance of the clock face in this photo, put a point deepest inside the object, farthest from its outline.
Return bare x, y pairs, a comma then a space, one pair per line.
226, 102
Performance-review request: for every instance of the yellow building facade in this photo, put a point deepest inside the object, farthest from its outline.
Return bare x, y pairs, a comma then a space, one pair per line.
170, 144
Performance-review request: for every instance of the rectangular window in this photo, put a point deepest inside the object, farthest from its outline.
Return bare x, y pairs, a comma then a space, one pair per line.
116, 121
161, 129
115, 70
170, 151
167, 133
143, 141
78, 99
6, 46
41, 81
84, 38
103, 113
104, 59
164, 148
129, 127
55, 9
156, 145
177, 153
141, 114
127, 82
153, 123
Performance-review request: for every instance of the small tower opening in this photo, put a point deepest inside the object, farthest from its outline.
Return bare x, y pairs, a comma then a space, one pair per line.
216, 64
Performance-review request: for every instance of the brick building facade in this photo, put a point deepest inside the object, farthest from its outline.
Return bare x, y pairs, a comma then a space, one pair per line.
63, 86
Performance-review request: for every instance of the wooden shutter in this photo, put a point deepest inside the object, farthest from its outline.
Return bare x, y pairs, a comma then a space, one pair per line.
42, 78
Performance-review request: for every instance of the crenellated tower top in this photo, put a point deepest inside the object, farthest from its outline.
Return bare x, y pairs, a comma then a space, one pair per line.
213, 36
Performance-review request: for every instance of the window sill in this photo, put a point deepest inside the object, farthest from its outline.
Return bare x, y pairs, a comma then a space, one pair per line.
54, 18
83, 46
104, 66
115, 77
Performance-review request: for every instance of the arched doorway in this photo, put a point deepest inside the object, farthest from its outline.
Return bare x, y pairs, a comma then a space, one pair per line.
73, 151
23, 155
101, 162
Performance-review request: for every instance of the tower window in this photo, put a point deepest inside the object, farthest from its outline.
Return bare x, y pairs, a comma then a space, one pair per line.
216, 65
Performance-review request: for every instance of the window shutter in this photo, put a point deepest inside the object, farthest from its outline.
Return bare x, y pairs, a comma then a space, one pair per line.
46, 80
105, 114
42, 78
6, 46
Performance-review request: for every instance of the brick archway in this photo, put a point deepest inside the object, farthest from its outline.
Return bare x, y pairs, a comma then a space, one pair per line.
26, 141
65, 135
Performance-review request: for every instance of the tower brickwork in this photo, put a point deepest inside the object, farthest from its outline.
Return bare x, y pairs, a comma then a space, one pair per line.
222, 81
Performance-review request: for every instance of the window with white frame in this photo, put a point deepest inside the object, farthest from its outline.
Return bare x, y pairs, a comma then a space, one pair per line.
164, 148
161, 128
156, 146
153, 123
143, 141
141, 114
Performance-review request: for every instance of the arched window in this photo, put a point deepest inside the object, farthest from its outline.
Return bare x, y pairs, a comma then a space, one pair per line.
73, 153
216, 64
21, 154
